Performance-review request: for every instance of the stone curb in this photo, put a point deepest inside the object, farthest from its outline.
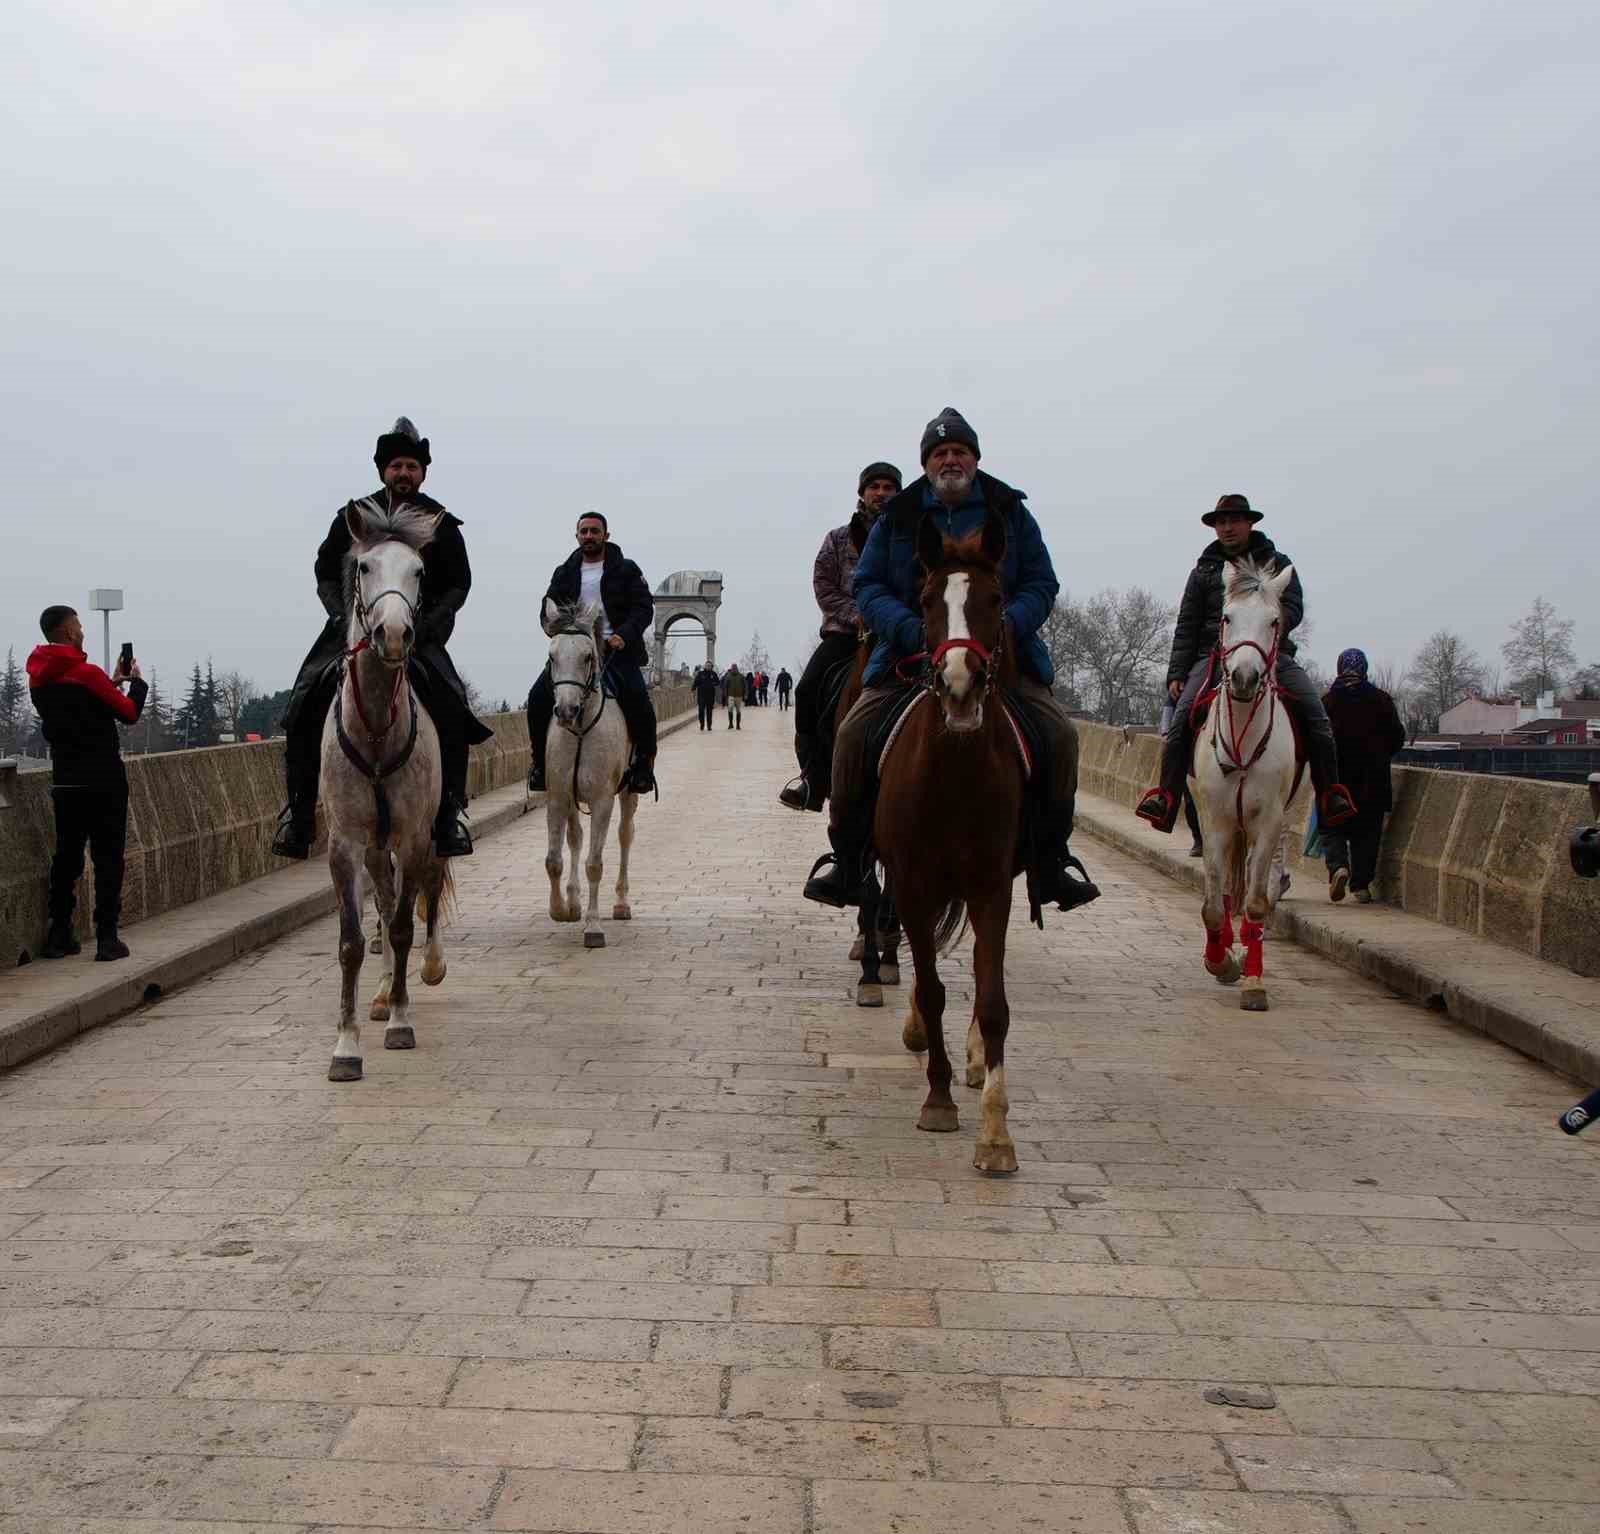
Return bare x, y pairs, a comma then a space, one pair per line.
133, 982
1520, 1006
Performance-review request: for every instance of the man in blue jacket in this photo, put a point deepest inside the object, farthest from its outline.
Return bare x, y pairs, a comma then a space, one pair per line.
958, 497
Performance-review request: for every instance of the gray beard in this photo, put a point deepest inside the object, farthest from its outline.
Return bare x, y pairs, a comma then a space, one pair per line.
951, 487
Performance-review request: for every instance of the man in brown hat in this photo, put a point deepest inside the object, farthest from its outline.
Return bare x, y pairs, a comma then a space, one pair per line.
1199, 620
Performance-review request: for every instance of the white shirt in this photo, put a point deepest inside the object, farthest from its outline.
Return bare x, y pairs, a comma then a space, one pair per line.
589, 573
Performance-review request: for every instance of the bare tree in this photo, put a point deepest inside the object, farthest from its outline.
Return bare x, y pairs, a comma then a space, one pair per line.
1444, 671
1125, 637
1063, 641
1585, 683
1539, 652
234, 691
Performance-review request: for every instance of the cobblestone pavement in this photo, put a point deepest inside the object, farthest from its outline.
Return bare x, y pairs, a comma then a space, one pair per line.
645, 1239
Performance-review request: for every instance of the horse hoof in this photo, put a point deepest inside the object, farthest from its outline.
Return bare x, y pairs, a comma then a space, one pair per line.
868, 995
889, 974
914, 1036
857, 948
400, 1036
622, 913
1252, 1001
344, 1070
1228, 973
994, 1160
375, 945
975, 1075
938, 1121
379, 1012
432, 975
594, 940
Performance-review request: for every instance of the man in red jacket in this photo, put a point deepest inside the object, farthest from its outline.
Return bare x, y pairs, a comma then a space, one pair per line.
79, 707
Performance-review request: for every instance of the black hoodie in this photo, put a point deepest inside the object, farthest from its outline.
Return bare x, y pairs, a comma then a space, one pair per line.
1200, 612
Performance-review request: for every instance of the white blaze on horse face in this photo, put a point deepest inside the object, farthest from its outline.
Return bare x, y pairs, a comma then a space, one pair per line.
956, 667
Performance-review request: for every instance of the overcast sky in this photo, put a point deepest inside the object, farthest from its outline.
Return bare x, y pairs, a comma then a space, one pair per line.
695, 268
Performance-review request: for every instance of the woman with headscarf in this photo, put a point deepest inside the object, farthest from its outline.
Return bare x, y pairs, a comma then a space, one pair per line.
1368, 732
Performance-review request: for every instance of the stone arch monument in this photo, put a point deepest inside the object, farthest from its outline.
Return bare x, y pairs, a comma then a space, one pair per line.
688, 596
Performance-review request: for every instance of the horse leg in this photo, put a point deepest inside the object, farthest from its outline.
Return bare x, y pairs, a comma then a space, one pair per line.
1257, 905
869, 989
1216, 908
594, 935
402, 930
622, 911
555, 819
345, 868
927, 1008
369, 885
858, 947
574, 859
433, 885
995, 1152
888, 929
380, 872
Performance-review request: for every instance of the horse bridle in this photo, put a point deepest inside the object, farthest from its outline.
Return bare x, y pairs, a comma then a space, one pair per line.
586, 690
1231, 740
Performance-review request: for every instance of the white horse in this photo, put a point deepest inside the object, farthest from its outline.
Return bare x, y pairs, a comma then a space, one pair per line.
1245, 773
380, 778
586, 755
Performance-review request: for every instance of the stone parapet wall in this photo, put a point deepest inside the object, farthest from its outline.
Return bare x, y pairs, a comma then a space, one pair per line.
1486, 855
199, 822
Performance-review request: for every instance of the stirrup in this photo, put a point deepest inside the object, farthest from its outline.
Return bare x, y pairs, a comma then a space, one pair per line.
1336, 816
451, 839
535, 779
1074, 887
834, 888
798, 795
1159, 807
294, 836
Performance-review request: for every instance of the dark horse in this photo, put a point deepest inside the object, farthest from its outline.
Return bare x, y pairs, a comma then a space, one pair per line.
948, 822
877, 944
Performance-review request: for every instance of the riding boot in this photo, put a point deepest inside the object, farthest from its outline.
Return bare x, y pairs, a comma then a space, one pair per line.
108, 946
843, 877
541, 706
60, 943
297, 824
1335, 803
451, 839
803, 793
642, 776
1161, 805
1064, 881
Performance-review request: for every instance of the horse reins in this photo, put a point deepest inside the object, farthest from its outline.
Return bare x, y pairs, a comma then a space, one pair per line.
587, 690
1232, 740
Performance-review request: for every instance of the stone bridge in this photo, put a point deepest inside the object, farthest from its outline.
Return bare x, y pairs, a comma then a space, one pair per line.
644, 1240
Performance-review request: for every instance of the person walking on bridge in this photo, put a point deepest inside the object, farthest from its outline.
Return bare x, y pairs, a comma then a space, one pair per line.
832, 573
402, 458
706, 687
79, 709
597, 574
1368, 731
1193, 642
734, 690
785, 688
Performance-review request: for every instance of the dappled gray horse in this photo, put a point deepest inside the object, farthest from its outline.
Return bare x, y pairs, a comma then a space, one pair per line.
380, 777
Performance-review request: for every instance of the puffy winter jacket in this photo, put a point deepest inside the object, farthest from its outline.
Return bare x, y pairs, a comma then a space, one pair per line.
79, 707
1200, 612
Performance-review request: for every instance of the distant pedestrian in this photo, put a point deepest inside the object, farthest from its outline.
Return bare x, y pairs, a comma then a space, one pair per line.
785, 687
734, 690
707, 685
79, 708
1368, 732
766, 684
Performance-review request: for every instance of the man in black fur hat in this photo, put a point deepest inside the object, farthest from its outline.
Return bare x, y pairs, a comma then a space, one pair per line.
402, 458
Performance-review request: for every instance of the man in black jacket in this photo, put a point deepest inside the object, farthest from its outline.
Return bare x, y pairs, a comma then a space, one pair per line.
707, 684
597, 572
79, 708
402, 458
1199, 621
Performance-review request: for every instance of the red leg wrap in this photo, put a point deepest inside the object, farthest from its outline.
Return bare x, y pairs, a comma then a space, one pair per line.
1252, 933
1216, 948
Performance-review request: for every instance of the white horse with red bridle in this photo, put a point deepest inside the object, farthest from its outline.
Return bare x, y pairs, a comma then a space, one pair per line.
1246, 772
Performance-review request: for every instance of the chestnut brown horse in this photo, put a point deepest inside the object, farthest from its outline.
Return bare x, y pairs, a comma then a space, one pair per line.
948, 820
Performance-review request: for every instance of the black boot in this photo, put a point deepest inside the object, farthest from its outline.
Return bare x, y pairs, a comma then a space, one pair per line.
842, 877
59, 942
1162, 804
109, 946
799, 795
451, 839
297, 829
1064, 881
1335, 803
642, 776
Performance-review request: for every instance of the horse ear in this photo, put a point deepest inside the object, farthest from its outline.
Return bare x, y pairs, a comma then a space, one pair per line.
1280, 582
994, 538
930, 543
552, 614
355, 518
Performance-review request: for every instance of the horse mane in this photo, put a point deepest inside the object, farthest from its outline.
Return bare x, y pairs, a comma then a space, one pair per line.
407, 523
568, 621
1246, 578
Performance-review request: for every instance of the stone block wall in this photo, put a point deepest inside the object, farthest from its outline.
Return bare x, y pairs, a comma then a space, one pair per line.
1487, 855
199, 822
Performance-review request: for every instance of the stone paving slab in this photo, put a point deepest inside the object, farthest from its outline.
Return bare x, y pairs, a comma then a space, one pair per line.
644, 1239
1539, 1008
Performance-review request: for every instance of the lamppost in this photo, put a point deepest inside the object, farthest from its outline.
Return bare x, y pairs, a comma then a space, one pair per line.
107, 600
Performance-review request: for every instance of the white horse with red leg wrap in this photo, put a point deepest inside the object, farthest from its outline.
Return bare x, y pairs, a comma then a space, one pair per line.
1245, 775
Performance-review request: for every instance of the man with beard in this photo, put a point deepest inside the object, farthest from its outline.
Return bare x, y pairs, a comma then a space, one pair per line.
957, 497
831, 576
1199, 623
596, 574
402, 458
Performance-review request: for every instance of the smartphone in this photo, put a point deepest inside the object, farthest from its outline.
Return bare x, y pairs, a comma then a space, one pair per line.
125, 665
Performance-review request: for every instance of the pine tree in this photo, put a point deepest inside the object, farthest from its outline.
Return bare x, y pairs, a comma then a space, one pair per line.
14, 706
192, 724
154, 730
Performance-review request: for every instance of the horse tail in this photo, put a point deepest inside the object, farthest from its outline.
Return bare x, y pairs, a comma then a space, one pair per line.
447, 896
951, 926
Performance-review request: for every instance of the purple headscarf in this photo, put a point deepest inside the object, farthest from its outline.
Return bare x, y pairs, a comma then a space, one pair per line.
1352, 675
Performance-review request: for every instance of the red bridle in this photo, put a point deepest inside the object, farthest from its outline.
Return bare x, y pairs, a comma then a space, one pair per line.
355, 691
1231, 739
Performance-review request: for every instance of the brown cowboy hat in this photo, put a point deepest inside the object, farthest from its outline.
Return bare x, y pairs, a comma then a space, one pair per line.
1237, 504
